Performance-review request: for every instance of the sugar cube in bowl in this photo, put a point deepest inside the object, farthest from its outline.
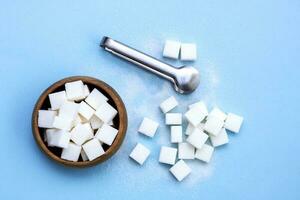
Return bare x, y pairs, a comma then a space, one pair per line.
113, 99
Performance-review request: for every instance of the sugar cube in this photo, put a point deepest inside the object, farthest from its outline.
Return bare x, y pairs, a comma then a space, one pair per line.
176, 134
75, 90
95, 122
58, 138
46, 118
86, 91
106, 112
168, 104
186, 151
218, 113
205, 153
173, 118
220, 139
85, 110
83, 155
93, 149
76, 120
63, 122
201, 106
180, 170
106, 134
80, 134
96, 98
148, 127
189, 129
197, 138
233, 122
69, 108
71, 153
213, 125
195, 115
57, 99
140, 153
167, 155
171, 49
188, 52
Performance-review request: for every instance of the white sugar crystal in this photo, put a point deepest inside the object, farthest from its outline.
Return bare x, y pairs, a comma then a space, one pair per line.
140, 153
106, 112
69, 108
176, 134
196, 114
63, 122
46, 118
171, 49
93, 149
167, 155
189, 129
220, 139
188, 51
75, 90
148, 127
218, 113
57, 99
213, 125
85, 110
83, 155
81, 133
96, 98
106, 134
95, 122
58, 138
180, 170
186, 151
168, 104
233, 122
205, 153
71, 153
86, 91
197, 138
173, 118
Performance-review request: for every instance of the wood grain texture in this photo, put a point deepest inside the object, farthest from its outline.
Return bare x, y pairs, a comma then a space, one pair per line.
120, 121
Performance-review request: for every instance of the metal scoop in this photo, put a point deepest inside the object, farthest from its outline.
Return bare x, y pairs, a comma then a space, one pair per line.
185, 78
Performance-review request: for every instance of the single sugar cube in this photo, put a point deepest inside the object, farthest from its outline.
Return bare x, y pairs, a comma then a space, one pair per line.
176, 134
106, 112
168, 104
63, 122
173, 119
140, 153
96, 98
86, 91
189, 129
85, 110
69, 108
186, 151
167, 155
233, 122
197, 138
96, 123
49, 134
83, 155
205, 153
46, 118
195, 115
218, 113
213, 125
201, 106
75, 90
71, 153
93, 149
106, 134
58, 138
148, 127
180, 170
81, 133
188, 52
220, 139
171, 49
57, 99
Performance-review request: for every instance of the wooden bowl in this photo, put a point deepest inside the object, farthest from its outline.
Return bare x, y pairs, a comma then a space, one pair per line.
120, 121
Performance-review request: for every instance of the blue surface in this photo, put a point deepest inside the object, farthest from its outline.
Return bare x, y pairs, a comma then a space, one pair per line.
249, 60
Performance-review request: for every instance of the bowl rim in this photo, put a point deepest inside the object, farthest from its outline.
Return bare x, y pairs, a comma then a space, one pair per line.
113, 95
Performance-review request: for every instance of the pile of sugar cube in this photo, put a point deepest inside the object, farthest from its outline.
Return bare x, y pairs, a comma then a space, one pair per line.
79, 122
187, 51
205, 131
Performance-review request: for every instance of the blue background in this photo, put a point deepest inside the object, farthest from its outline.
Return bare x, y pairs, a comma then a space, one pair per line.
249, 62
